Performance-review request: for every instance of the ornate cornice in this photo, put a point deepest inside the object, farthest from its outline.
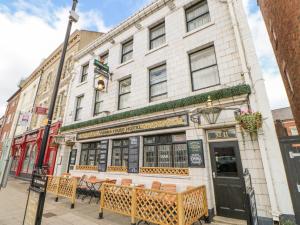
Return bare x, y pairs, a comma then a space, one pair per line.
74, 39
131, 21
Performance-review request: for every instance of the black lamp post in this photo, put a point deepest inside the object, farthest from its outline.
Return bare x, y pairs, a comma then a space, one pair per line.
37, 190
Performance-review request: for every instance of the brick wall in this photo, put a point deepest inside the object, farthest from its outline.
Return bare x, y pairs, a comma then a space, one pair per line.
8, 119
282, 19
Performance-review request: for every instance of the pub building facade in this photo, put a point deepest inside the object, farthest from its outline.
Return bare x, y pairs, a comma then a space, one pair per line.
26, 148
151, 117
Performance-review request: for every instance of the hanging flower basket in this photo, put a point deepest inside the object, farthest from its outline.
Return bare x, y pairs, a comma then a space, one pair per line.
250, 121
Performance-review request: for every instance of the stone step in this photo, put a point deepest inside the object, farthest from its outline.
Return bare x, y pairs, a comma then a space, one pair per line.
218, 220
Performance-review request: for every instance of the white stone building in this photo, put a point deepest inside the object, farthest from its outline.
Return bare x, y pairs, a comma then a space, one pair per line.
165, 61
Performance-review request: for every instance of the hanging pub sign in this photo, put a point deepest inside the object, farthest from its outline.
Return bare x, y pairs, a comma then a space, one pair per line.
103, 156
101, 68
133, 155
35, 200
41, 110
154, 124
196, 153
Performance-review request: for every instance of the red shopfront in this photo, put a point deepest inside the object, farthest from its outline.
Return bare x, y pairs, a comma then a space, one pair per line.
26, 149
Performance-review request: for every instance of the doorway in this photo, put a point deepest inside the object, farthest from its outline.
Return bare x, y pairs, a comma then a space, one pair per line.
228, 179
72, 159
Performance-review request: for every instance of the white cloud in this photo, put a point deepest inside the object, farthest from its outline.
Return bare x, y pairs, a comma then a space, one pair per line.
275, 88
27, 37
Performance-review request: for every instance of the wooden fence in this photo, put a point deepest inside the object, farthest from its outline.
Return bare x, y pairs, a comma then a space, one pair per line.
159, 207
63, 187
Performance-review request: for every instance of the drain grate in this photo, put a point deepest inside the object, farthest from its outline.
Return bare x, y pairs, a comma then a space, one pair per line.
49, 214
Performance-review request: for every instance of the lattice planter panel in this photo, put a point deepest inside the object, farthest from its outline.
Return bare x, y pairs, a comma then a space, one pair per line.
157, 207
63, 187
194, 204
52, 184
86, 167
117, 169
165, 171
117, 198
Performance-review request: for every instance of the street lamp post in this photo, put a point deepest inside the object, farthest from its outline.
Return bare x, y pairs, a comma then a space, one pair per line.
37, 190
72, 18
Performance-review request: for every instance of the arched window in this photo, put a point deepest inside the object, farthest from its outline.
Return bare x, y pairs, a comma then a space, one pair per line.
68, 66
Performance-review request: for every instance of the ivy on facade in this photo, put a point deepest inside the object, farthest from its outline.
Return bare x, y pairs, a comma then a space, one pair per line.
192, 100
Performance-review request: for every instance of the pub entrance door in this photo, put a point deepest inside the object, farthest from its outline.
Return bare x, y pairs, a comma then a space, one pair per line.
228, 179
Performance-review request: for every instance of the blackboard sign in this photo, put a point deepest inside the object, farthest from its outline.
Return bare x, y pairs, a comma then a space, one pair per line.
195, 153
35, 200
133, 155
103, 156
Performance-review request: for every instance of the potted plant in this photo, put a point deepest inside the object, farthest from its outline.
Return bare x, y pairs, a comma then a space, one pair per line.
250, 121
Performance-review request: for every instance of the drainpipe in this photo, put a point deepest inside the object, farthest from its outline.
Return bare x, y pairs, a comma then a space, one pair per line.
248, 78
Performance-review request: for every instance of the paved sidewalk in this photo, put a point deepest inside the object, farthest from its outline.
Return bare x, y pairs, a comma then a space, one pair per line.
13, 200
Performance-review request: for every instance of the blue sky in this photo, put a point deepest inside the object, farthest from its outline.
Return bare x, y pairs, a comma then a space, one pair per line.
38, 26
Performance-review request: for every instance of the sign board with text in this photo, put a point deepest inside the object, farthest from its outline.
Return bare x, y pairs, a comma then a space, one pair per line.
196, 153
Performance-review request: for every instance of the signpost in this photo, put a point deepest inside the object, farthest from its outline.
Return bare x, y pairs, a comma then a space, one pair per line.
37, 191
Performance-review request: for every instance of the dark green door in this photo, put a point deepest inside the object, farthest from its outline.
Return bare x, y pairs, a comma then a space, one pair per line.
228, 180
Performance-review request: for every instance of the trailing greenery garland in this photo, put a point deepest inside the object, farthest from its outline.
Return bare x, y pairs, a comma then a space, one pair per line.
196, 99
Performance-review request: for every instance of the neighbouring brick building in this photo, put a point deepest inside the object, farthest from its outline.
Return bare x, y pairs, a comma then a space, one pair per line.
282, 19
284, 122
8, 118
34, 102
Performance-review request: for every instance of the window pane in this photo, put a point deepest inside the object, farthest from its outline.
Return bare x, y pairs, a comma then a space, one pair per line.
158, 89
85, 69
78, 114
205, 77
125, 157
83, 158
180, 156
117, 143
124, 101
98, 108
203, 58
157, 31
226, 162
178, 138
91, 159
160, 97
158, 74
149, 156
127, 47
79, 99
157, 42
125, 86
198, 22
149, 140
196, 11
127, 57
116, 157
164, 155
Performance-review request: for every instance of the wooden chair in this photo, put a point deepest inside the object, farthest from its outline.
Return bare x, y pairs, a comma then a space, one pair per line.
126, 182
189, 187
168, 187
156, 185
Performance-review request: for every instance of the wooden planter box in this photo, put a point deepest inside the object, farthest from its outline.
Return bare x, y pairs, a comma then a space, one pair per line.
158, 207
